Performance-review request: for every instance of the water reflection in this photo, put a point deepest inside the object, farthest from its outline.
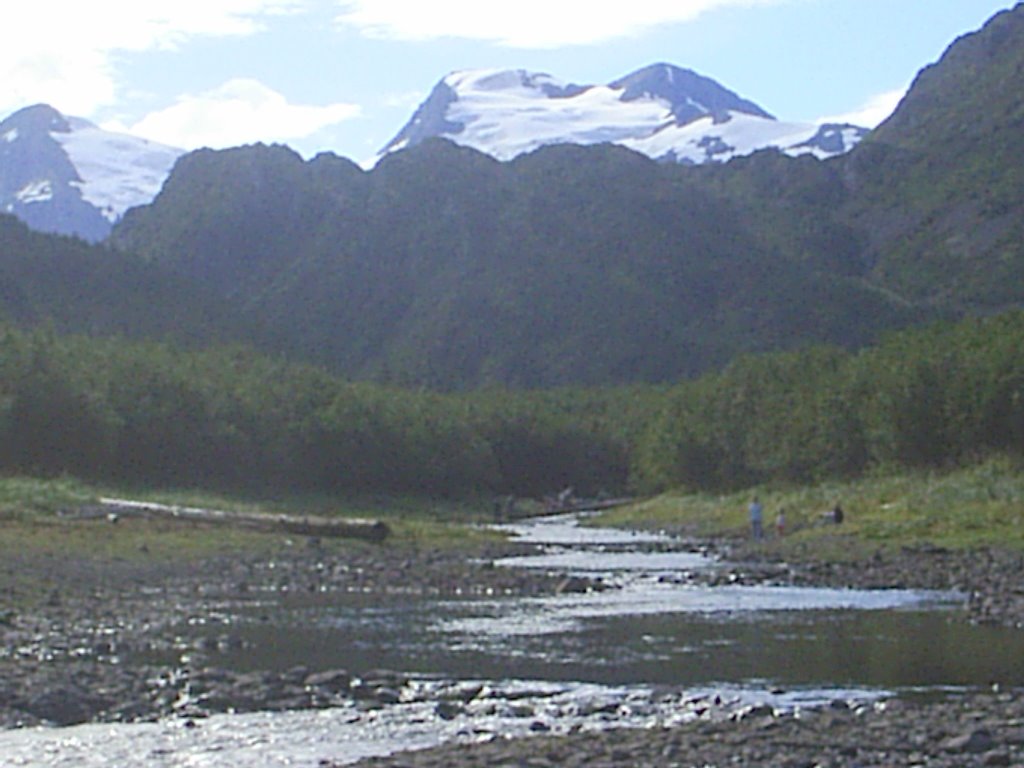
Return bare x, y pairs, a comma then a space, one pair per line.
590, 562
739, 635
348, 733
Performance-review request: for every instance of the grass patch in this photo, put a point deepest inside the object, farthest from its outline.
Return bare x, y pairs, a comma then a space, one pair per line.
433, 534
977, 506
45, 553
24, 497
129, 540
30, 526
390, 508
417, 521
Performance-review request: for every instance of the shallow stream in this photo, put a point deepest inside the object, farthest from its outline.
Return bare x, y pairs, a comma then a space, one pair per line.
637, 653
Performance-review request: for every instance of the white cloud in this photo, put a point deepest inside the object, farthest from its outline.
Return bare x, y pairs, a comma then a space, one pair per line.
872, 112
406, 100
240, 111
522, 24
63, 51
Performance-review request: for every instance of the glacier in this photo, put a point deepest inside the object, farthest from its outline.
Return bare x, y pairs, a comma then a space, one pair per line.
661, 111
117, 171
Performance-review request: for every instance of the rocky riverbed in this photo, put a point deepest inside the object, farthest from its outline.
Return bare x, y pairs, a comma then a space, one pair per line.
86, 650
991, 580
952, 728
976, 729
74, 655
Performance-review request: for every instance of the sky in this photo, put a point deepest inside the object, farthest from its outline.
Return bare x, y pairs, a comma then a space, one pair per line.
344, 76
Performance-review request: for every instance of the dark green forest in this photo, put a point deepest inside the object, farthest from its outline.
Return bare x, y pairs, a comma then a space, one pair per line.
72, 286
571, 266
235, 419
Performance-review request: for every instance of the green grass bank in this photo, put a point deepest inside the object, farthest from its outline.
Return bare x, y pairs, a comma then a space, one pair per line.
41, 537
963, 508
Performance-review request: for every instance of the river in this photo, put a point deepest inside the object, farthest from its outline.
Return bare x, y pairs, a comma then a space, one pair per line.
651, 648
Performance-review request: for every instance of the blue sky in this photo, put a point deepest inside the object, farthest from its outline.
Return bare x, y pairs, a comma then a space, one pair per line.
345, 75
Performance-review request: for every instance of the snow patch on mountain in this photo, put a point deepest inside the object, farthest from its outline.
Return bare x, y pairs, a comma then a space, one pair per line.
67, 175
719, 140
117, 171
507, 114
36, 192
662, 111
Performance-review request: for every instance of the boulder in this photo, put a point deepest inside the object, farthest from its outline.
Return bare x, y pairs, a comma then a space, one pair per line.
975, 742
331, 680
448, 710
63, 705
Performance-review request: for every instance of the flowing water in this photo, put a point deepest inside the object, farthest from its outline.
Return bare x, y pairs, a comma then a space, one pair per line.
632, 655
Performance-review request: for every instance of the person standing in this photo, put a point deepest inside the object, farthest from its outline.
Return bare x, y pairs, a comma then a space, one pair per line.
756, 519
780, 523
837, 514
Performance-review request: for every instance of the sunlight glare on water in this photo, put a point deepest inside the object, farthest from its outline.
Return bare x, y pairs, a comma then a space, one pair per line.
566, 529
644, 597
345, 735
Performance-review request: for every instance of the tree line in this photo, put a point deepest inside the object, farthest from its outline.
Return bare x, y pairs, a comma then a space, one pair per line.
943, 394
232, 418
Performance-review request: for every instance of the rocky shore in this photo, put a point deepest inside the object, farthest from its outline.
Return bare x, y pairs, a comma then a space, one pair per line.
978, 729
991, 580
961, 728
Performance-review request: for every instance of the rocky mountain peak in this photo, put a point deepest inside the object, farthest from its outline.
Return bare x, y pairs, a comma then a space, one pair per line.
37, 119
691, 95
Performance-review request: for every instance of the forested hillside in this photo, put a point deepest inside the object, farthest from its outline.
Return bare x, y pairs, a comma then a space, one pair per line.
568, 266
938, 189
72, 286
591, 266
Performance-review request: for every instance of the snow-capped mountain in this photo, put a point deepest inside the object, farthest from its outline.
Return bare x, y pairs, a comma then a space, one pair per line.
662, 111
65, 175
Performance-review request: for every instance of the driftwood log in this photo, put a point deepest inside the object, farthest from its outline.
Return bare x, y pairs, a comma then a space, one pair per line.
553, 507
305, 525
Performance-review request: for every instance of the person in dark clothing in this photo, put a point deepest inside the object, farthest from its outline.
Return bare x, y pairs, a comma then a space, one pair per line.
837, 514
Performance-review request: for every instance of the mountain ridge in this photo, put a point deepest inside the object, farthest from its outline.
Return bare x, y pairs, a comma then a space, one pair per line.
66, 175
576, 264
445, 267
569, 265
691, 94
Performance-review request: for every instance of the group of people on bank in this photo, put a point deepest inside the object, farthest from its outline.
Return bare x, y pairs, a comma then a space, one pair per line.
834, 516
